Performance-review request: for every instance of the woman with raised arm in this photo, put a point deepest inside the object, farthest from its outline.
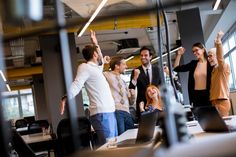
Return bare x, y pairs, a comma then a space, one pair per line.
199, 75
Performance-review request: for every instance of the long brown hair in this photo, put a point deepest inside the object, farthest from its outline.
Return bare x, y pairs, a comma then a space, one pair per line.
201, 46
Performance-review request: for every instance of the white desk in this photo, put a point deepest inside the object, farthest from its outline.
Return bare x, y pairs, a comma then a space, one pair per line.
129, 134
193, 128
34, 138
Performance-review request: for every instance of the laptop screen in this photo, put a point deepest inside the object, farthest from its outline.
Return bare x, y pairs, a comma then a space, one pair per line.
209, 119
146, 126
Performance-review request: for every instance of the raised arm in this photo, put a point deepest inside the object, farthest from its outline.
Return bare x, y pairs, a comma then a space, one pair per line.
180, 52
95, 43
219, 47
62, 104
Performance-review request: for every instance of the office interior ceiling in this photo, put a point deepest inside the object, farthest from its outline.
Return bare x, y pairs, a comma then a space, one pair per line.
86, 8
108, 37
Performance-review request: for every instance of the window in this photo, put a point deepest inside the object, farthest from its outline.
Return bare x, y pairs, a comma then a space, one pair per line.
18, 104
231, 84
231, 42
229, 46
85, 98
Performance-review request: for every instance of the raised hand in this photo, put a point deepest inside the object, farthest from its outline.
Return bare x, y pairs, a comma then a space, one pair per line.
141, 106
62, 105
181, 51
136, 74
106, 59
93, 37
219, 37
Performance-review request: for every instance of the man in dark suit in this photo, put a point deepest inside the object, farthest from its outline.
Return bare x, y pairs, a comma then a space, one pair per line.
143, 76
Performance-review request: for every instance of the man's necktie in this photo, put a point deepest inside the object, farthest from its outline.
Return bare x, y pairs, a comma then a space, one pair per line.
147, 75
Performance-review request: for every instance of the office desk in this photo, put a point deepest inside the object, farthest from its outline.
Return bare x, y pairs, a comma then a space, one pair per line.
39, 142
193, 128
129, 134
22, 131
35, 138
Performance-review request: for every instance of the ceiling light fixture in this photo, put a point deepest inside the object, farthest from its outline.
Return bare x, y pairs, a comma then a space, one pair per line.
129, 58
8, 87
156, 58
3, 76
4, 79
92, 17
216, 5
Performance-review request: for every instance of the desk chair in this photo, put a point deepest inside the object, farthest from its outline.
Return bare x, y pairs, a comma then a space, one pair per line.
65, 137
30, 119
36, 126
22, 149
21, 123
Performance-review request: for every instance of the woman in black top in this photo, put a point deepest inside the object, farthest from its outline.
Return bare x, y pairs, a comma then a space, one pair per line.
199, 75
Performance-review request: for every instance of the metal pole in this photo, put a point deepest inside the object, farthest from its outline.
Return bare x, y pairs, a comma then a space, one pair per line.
66, 59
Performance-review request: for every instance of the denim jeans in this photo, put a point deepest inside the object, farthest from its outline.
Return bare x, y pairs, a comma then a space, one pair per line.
104, 125
124, 121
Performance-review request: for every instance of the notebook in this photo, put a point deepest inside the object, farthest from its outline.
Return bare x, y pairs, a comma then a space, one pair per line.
146, 130
210, 120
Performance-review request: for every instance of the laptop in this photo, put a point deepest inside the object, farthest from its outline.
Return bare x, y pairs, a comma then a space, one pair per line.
146, 130
210, 120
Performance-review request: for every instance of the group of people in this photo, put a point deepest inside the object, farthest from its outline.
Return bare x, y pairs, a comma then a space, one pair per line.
108, 93
110, 97
208, 82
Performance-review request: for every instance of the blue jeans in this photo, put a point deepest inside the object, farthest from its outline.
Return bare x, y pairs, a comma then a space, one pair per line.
104, 125
124, 121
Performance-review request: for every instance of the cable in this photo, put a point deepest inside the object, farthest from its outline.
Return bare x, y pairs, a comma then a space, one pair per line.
168, 49
159, 43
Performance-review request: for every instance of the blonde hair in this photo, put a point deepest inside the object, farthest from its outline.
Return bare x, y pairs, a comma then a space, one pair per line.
149, 100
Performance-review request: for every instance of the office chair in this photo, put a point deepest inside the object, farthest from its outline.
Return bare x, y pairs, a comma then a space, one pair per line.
30, 119
21, 123
65, 137
36, 126
22, 149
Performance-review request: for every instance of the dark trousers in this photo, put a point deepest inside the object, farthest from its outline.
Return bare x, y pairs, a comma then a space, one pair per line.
201, 98
124, 121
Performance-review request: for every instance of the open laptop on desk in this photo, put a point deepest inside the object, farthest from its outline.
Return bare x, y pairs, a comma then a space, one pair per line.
146, 130
210, 120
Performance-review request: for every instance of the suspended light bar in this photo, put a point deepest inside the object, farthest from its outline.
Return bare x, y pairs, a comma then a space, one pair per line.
92, 17
3, 76
156, 58
8, 87
129, 58
217, 3
4, 79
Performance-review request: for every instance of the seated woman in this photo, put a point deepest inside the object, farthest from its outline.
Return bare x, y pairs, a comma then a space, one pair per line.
153, 100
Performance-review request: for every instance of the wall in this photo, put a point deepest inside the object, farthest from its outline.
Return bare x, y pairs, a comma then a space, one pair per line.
54, 78
39, 95
190, 29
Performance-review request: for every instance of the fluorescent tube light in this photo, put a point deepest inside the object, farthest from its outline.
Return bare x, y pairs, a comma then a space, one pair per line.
8, 87
129, 58
217, 3
3, 76
156, 58
92, 17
